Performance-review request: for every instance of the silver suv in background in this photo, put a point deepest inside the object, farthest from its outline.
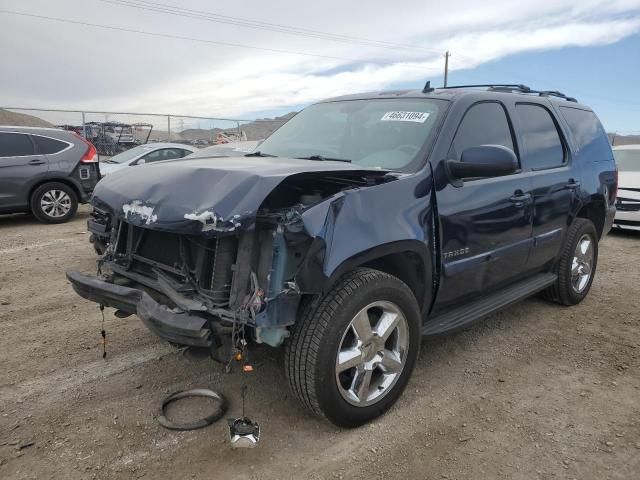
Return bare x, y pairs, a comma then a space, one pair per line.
45, 171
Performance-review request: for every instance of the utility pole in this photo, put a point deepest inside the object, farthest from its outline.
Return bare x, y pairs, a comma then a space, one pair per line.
446, 67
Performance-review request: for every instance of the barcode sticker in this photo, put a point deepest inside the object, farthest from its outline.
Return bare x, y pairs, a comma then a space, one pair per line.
418, 117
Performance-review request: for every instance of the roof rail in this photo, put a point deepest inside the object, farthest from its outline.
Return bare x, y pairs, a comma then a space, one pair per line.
520, 88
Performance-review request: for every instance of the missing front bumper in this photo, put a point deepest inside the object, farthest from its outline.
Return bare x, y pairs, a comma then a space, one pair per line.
172, 325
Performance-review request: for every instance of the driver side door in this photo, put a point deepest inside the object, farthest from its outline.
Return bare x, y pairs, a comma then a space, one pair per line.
485, 223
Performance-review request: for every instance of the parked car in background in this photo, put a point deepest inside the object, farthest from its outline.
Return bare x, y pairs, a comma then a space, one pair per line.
147, 153
232, 149
361, 224
628, 201
46, 171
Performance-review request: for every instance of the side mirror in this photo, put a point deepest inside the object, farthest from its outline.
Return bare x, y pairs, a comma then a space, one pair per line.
484, 161
142, 161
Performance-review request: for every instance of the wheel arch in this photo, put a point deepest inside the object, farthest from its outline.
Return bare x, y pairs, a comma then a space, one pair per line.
408, 260
595, 210
66, 181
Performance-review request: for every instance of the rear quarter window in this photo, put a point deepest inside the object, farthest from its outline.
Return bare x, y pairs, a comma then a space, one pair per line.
49, 146
15, 145
588, 133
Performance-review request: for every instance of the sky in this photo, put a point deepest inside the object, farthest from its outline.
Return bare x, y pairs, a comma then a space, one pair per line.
254, 59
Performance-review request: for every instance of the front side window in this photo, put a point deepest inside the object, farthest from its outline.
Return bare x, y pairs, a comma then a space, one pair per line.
163, 154
15, 145
483, 124
541, 144
377, 133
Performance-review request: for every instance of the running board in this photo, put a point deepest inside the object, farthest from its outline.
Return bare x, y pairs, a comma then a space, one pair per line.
466, 314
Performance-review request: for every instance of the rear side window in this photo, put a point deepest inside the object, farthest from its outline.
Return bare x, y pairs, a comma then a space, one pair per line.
588, 133
49, 146
541, 144
483, 124
15, 145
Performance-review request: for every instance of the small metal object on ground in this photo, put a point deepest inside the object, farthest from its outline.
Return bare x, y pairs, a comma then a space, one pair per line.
243, 433
203, 422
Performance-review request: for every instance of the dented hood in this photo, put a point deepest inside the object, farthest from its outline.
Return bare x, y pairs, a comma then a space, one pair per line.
204, 195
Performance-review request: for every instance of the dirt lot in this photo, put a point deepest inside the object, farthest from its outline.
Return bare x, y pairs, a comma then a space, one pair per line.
537, 391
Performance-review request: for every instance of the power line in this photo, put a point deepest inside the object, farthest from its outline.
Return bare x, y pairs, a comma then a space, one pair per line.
180, 37
243, 22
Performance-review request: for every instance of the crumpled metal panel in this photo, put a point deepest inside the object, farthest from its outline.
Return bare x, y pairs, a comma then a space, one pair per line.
360, 219
201, 196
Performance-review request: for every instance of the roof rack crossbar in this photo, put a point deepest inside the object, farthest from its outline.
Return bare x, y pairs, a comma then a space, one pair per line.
518, 87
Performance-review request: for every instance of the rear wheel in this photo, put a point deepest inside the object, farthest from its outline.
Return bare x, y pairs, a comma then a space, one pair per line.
577, 265
350, 357
54, 202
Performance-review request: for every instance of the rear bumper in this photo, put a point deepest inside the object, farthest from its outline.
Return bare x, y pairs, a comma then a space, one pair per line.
172, 325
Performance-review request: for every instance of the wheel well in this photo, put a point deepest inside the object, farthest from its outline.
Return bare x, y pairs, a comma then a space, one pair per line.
73, 186
595, 212
408, 267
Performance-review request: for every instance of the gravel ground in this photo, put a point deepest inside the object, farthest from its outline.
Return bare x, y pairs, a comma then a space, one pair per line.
536, 391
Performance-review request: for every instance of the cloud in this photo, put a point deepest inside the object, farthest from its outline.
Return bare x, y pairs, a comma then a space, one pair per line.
120, 71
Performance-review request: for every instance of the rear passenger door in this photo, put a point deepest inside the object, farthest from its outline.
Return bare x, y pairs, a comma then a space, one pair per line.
555, 181
20, 167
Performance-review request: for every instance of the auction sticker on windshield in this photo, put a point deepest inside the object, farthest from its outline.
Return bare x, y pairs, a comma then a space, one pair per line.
418, 117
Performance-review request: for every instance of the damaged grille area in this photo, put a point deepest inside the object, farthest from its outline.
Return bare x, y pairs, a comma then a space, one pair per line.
190, 264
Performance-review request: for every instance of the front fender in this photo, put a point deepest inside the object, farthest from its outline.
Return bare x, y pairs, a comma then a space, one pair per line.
357, 226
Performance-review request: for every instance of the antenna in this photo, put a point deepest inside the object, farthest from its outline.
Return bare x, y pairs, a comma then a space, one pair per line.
427, 87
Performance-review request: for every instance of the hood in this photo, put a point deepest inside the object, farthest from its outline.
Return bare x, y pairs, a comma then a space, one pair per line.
204, 196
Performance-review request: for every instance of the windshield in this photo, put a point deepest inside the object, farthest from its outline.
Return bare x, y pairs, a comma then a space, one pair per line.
129, 154
382, 133
627, 160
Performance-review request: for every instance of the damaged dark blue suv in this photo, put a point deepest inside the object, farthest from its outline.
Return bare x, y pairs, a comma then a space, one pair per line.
361, 224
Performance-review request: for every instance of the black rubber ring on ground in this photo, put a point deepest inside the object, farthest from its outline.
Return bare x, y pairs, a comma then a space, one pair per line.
203, 422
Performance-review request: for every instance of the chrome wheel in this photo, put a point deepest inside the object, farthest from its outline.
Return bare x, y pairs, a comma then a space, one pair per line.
372, 353
55, 203
582, 264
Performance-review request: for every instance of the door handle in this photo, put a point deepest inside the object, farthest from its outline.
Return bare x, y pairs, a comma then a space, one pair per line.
572, 184
519, 199
36, 161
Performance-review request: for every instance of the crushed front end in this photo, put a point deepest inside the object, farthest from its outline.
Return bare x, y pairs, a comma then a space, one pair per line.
197, 276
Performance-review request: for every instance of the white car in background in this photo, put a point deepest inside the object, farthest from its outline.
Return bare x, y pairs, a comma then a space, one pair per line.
147, 153
628, 201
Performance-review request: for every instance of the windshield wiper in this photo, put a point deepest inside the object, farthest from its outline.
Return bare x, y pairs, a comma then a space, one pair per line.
259, 154
322, 158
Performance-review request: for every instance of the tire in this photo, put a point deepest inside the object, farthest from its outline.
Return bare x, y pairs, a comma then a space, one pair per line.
572, 286
326, 326
54, 202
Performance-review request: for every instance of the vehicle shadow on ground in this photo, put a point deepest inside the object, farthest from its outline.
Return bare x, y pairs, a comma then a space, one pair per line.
14, 220
625, 233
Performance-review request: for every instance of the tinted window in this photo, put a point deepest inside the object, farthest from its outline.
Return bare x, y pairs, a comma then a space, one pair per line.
48, 145
15, 145
588, 133
541, 144
483, 124
164, 154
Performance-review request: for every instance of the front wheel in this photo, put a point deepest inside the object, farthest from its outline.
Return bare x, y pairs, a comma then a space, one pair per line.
350, 356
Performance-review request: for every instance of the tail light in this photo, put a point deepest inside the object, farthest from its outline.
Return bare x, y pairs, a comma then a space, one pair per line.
91, 155
615, 188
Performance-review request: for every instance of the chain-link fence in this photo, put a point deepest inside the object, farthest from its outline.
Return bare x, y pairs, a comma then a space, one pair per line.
115, 132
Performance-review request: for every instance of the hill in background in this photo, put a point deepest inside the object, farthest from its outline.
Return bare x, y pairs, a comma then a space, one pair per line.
21, 119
